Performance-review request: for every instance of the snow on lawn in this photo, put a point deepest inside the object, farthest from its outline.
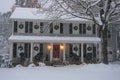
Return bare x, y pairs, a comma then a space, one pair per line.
70, 72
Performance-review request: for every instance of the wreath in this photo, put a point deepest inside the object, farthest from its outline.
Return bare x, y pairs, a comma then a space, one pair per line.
36, 48
88, 28
75, 48
20, 48
36, 26
75, 27
56, 27
89, 48
21, 26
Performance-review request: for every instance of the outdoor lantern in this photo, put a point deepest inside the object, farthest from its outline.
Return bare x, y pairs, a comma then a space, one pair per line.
61, 47
49, 47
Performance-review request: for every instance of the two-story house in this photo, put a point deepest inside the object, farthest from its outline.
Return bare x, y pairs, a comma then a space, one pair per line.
38, 37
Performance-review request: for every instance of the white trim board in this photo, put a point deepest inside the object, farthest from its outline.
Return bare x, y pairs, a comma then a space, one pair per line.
54, 39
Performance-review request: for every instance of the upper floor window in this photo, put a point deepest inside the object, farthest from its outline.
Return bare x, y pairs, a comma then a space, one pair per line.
28, 27
38, 27
56, 28
23, 27
82, 28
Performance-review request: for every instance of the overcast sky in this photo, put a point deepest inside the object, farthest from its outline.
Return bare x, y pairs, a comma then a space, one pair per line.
5, 5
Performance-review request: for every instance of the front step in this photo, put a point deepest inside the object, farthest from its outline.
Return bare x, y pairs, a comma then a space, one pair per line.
57, 62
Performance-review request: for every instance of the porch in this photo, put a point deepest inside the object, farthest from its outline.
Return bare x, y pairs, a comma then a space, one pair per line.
59, 49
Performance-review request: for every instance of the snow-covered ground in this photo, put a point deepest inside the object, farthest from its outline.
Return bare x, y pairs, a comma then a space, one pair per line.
71, 72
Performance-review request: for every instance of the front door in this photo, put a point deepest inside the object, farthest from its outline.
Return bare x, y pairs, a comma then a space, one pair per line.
56, 51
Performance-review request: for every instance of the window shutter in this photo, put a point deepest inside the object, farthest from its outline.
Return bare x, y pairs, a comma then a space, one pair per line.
80, 28
14, 50
80, 50
29, 49
15, 26
26, 50
31, 27
84, 28
61, 28
70, 28
70, 49
41, 27
51, 28
41, 23
41, 49
26, 27
94, 29
94, 51
84, 50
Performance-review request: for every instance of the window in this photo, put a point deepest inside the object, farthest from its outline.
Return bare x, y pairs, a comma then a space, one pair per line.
41, 27
70, 28
28, 27
15, 26
84, 28
56, 28
77, 28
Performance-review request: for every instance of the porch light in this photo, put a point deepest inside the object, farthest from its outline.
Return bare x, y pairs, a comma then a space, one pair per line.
49, 47
61, 47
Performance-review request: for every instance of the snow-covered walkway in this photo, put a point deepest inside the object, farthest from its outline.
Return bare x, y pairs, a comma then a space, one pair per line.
71, 72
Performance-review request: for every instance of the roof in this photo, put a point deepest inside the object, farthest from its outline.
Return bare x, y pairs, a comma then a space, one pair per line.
54, 39
35, 13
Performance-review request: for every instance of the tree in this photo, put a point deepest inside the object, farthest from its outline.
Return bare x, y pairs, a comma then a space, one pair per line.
28, 3
101, 12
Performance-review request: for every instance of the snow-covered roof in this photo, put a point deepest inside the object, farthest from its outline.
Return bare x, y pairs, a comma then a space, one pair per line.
39, 14
54, 39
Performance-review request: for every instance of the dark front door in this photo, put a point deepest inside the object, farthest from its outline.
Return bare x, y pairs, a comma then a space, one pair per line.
56, 51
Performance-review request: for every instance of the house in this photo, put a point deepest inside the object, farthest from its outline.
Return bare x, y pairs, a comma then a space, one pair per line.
37, 36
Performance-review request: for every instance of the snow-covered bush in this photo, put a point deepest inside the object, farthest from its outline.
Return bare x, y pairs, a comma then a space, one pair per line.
5, 61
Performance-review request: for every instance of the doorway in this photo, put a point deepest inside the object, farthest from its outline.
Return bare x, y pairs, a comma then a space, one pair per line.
56, 51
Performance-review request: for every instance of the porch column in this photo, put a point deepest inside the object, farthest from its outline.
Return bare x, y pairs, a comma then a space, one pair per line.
51, 51
82, 54
64, 52
100, 54
11, 50
31, 53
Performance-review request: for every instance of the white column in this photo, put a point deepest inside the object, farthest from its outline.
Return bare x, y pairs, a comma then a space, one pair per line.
11, 50
31, 53
82, 54
51, 52
100, 54
64, 52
